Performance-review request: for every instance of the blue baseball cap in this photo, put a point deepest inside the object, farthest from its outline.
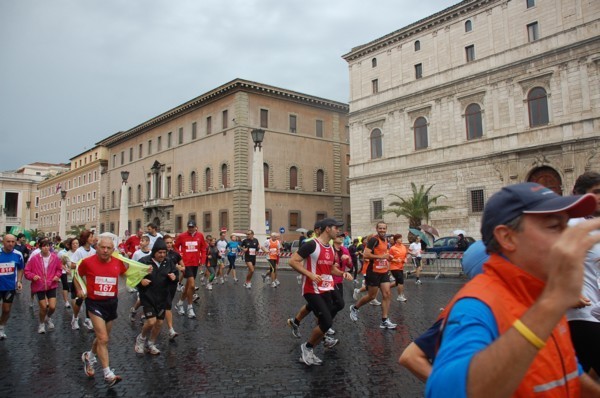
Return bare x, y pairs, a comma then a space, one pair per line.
530, 198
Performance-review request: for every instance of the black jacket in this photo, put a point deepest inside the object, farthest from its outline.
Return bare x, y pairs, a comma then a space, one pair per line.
157, 292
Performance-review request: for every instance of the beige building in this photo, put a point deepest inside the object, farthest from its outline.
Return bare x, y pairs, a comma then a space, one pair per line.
81, 186
194, 162
480, 95
20, 201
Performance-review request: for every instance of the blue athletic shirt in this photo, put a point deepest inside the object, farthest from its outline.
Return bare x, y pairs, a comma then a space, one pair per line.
10, 263
233, 247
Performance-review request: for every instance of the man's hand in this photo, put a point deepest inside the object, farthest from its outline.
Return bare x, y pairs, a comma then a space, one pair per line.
315, 278
145, 282
171, 276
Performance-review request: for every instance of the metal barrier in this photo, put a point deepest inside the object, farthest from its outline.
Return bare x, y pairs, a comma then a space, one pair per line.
448, 263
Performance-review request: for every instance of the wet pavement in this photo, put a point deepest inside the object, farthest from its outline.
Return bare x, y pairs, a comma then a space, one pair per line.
239, 345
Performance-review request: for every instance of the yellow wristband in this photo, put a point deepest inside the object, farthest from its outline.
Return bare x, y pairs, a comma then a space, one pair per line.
529, 335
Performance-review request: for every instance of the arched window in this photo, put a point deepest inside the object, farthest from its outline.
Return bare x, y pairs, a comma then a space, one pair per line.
193, 182
468, 26
420, 128
293, 177
208, 178
224, 175
376, 144
417, 45
320, 181
473, 121
537, 102
374, 62
179, 184
266, 174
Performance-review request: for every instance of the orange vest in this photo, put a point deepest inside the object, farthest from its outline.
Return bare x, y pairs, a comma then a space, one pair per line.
377, 265
509, 292
398, 254
273, 249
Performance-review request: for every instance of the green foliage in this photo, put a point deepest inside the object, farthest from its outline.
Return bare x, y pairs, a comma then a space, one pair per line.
76, 230
418, 207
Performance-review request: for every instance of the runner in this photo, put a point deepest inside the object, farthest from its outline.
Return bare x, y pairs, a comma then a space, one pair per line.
315, 261
11, 278
152, 233
175, 259
101, 273
250, 246
415, 249
222, 247
86, 240
192, 247
233, 247
398, 253
377, 277
132, 244
44, 271
155, 291
213, 257
273, 246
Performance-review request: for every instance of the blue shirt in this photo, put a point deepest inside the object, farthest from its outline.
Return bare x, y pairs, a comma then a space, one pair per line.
232, 247
10, 263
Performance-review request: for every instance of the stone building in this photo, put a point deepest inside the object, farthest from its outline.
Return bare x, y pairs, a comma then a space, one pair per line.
194, 162
81, 186
477, 96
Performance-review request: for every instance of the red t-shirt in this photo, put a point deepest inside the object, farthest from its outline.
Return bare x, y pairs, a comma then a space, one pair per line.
101, 279
192, 248
132, 244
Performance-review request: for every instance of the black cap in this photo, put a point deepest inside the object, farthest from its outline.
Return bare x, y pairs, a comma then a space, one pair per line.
329, 222
159, 244
191, 223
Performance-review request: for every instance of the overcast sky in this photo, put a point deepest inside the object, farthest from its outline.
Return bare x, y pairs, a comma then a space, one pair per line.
73, 72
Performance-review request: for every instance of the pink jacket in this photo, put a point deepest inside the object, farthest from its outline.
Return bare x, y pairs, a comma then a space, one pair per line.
345, 265
35, 266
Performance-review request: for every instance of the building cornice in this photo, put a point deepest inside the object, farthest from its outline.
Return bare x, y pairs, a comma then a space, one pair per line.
218, 93
417, 28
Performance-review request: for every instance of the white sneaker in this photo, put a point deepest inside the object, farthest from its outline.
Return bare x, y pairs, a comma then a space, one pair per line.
418, 282
179, 287
329, 342
387, 324
401, 298
180, 309
277, 281
190, 313
308, 356
42, 328
151, 348
75, 323
330, 332
195, 297
353, 313
67, 305
209, 286
49, 323
375, 302
274, 284
356, 294
2, 334
173, 334
235, 279
88, 324
222, 280
140, 342
248, 285
299, 279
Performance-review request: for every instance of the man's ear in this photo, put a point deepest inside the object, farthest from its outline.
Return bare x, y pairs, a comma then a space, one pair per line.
506, 238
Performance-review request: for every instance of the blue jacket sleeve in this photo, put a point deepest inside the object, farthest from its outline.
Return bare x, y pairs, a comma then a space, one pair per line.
471, 327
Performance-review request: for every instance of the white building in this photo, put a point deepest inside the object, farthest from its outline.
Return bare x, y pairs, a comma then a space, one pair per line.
480, 95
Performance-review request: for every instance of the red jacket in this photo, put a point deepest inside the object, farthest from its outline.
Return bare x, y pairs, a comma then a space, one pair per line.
132, 244
192, 248
35, 266
509, 292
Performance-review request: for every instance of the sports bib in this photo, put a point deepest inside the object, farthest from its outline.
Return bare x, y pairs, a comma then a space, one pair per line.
252, 251
7, 268
326, 283
105, 286
381, 265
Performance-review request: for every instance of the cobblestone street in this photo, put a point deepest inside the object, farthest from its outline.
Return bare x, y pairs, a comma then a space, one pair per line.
239, 345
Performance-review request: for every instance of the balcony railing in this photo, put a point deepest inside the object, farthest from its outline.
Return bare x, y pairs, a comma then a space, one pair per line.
156, 203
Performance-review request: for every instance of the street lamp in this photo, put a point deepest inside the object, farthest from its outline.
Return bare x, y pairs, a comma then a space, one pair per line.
124, 209
28, 215
62, 226
257, 202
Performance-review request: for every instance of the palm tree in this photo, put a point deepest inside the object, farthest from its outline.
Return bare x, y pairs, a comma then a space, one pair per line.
418, 207
76, 230
34, 233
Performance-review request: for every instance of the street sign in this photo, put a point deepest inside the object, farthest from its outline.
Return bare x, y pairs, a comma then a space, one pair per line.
282, 230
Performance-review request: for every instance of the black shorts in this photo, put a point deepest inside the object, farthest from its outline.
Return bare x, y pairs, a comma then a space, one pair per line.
190, 271
72, 290
376, 278
322, 307
398, 276
105, 309
64, 281
172, 292
250, 259
273, 265
583, 333
47, 294
7, 296
154, 311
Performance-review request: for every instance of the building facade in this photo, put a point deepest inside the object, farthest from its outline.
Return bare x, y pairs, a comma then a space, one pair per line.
483, 94
195, 162
80, 185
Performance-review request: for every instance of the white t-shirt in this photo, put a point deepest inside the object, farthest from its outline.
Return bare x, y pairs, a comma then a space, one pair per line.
153, 239
415, 249
81, 253
139, 254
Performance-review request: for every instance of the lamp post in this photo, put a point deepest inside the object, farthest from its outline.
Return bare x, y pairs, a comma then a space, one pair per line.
124, 209
257, 200
62, 225
28, 215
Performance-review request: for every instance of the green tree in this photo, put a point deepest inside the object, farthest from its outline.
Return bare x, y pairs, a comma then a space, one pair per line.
34, 234
417, 207
76, 230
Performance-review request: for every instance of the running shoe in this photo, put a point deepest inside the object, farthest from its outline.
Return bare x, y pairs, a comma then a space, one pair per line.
140, 342
248, 285
209, 286
273, 284
196, 288
88, 324
49, 324
151, 348
222, 280
375, 302
401, 298
111, 379
172, 334
418, 282
308, 356
195, 297
42, 328
75, 323
179, 287
330, 342
235, 280
88, 365
2, 334
354, 313
387, 324
180, 309
330, 332
299, 279
132, 314
295, 328
67, 305
277, 281
264, 278
356, 294
190, 313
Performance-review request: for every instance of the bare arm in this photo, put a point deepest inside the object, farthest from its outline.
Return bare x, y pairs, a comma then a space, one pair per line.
296, 263
589, 388
415, 360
